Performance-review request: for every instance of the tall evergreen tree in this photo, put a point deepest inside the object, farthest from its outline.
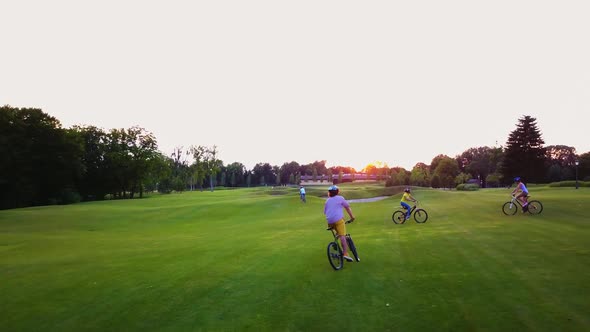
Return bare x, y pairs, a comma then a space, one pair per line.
524, 155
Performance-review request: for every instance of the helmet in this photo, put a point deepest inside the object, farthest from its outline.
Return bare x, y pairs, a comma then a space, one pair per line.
333, 188
407, 190
516, 179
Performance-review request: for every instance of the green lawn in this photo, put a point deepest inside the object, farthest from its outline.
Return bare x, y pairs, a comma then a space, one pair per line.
255, 260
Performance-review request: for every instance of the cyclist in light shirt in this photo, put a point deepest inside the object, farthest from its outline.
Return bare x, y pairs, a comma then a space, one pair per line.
335, 216
302, 193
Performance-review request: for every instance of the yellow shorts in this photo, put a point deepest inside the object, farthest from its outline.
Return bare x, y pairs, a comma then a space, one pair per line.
339, 226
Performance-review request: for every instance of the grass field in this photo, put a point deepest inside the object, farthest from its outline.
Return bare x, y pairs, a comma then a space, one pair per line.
255, 260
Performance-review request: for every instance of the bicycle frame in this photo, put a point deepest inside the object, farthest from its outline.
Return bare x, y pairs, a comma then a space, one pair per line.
517, 200
412, 209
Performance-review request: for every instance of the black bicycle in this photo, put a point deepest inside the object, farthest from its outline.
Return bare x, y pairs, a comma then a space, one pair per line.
420, 215
335, 255
510, 208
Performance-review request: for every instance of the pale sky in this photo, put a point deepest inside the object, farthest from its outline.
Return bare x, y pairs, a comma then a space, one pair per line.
349, 82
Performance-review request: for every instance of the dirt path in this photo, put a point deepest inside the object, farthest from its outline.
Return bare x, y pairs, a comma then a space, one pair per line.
367, 200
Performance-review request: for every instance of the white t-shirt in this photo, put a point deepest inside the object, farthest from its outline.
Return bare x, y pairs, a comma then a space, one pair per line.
302, 191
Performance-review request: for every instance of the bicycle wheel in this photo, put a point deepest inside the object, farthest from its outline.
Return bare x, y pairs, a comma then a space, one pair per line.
420, 216
535, 207
335, 255
509, 208
399, 217
352, 247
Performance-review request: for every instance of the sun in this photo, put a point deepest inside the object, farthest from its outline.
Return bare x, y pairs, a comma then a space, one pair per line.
376, 164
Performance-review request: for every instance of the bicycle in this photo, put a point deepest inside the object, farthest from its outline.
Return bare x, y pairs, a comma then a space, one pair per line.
420, 215
510, 208
335, 255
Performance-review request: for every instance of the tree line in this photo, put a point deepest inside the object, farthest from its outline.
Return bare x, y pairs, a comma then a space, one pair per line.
43, 163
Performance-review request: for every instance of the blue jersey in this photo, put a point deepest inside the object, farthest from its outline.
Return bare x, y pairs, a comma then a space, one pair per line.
523, 188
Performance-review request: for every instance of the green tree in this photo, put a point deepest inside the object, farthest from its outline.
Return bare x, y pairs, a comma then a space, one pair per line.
420, 175
435, 161
435, 182
212, 165
584, 166
446, 170
493, 180
142, 148
236, 171
198, 168
94, 182
159, 174
481, 161
288, 171
524, 154
263, 170
181, 172
277, 173
462, 178
560, 162
40, 163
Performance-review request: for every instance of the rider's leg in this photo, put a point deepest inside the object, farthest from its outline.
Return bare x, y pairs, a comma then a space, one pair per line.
340, 228
344, 245
407, 207
522, 198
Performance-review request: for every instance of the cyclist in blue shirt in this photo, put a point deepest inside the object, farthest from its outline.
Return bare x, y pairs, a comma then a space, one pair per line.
523, 192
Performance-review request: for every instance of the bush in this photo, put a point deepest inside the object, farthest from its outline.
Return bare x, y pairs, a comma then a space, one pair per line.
468, 187
70, 197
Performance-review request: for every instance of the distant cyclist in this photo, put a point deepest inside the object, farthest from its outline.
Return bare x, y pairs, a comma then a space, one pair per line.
302, 193
335, 216
407, 197
523, 193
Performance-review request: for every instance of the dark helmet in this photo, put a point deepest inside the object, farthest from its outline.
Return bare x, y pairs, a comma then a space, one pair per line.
407, 190
517, 179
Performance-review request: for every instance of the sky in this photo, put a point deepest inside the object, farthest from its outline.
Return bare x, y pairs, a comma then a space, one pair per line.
348, 82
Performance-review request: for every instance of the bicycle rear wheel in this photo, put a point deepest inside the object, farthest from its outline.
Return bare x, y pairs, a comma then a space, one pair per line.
352, 247
335, 255
399, 217
509, 208
420, 216
535, 207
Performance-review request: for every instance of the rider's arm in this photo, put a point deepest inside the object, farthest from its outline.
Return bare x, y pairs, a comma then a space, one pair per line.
349, 211
515, 189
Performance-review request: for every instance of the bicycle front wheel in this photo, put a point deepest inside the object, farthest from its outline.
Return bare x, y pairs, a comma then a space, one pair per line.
535, 207
335, 255
352, 247
509, 208
398, 217
420, 216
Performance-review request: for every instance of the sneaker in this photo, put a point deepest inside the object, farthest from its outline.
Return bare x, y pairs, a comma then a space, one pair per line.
348, 258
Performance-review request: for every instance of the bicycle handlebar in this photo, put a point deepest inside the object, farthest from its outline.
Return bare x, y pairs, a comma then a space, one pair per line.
349, 221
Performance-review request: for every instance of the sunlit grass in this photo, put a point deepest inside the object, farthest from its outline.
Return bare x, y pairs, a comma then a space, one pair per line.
255, 259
